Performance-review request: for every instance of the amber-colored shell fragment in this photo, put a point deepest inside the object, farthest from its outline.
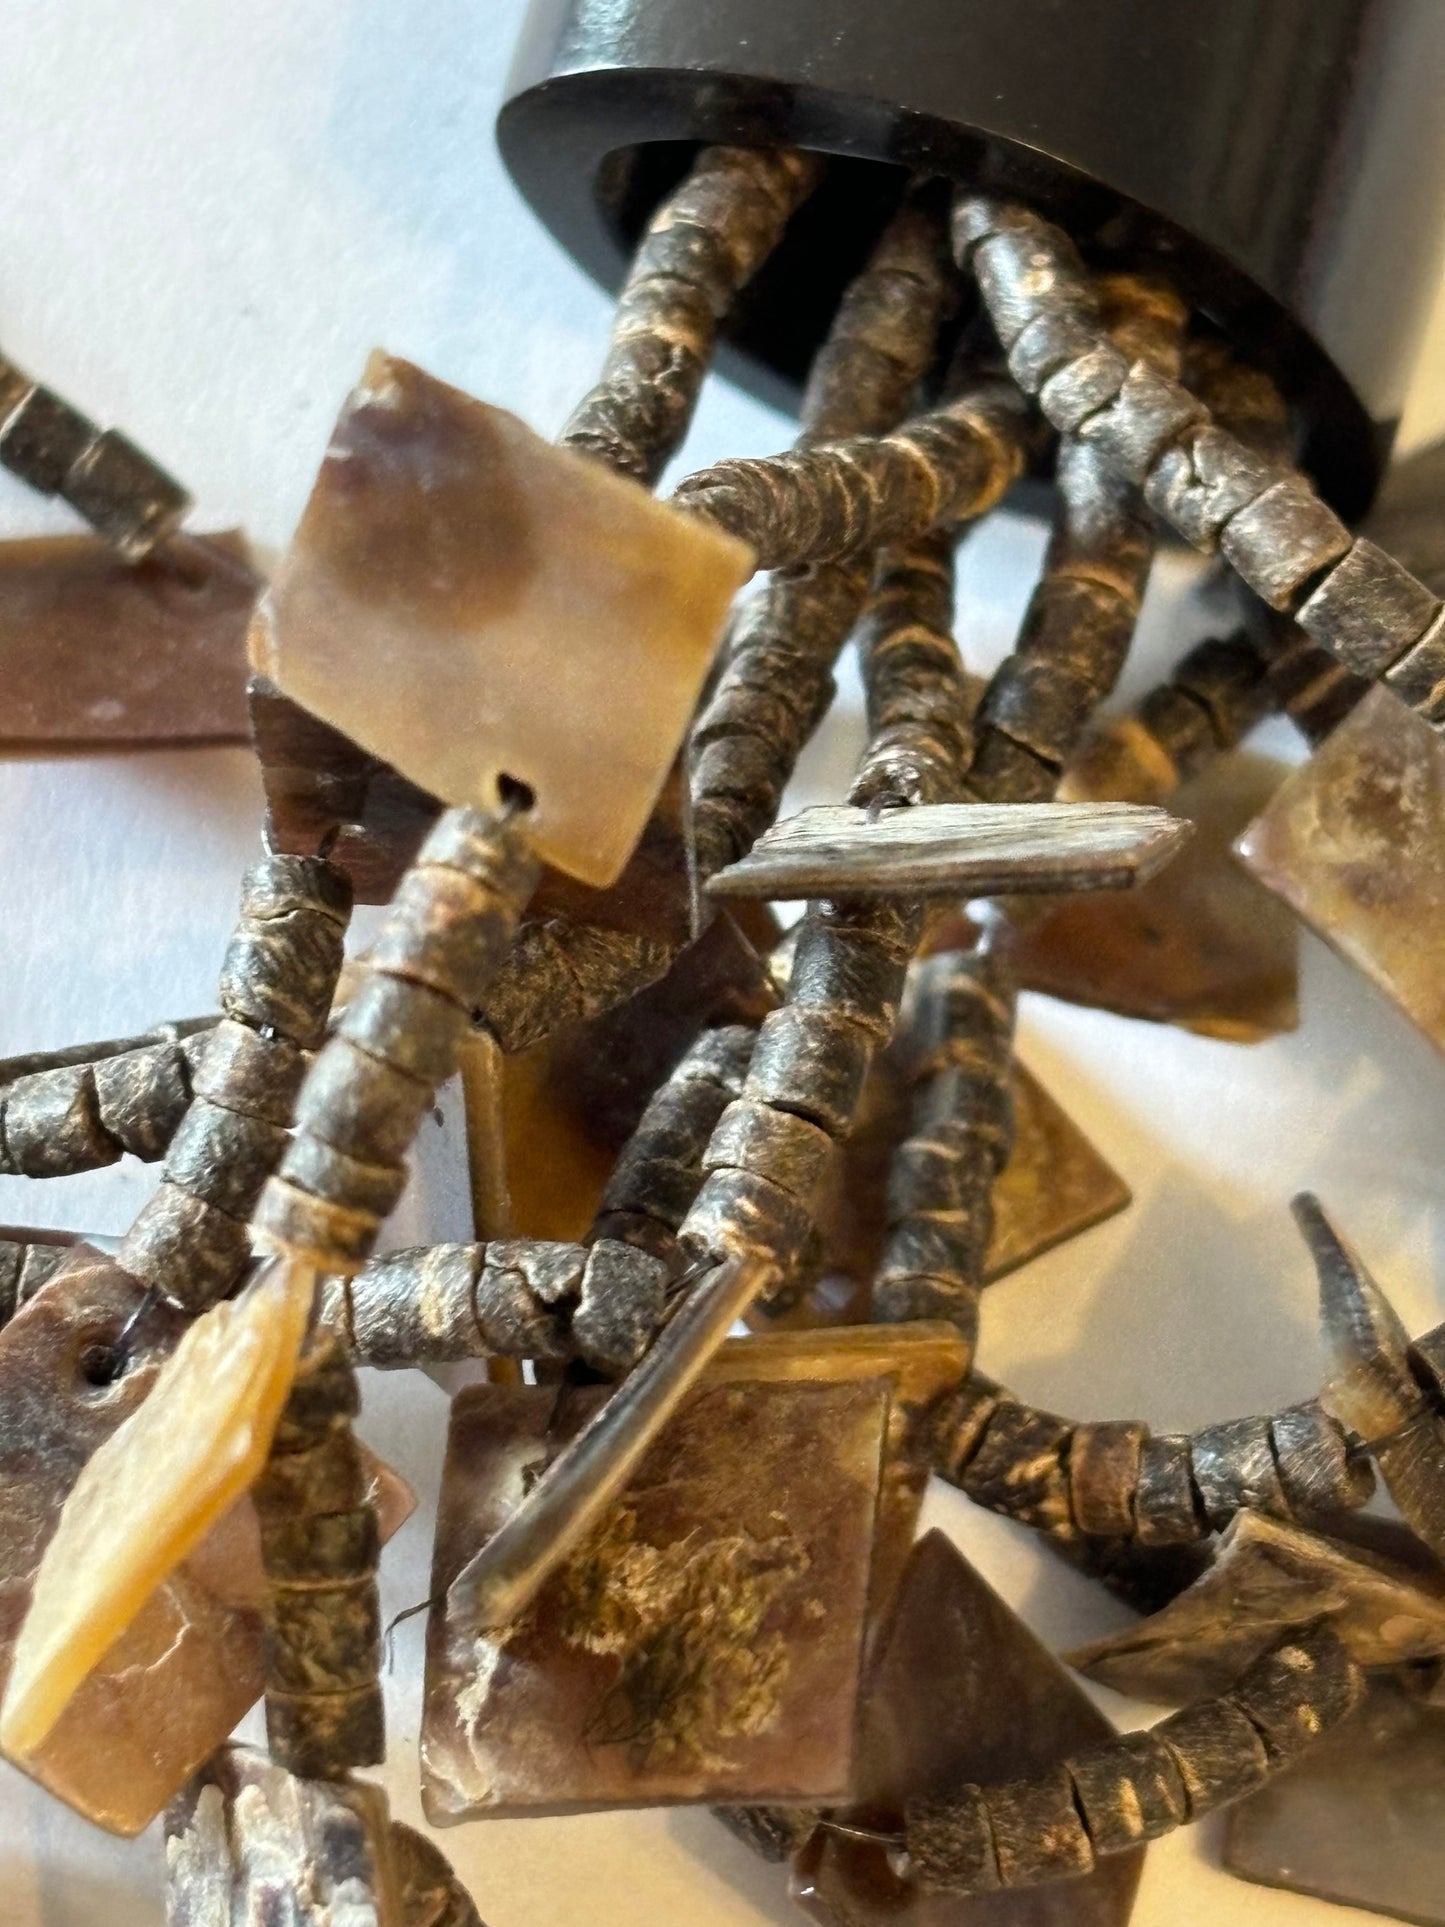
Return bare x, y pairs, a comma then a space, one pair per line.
450, 563
152, 1491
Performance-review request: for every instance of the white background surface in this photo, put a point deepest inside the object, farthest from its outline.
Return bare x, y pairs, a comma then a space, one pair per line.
208, 215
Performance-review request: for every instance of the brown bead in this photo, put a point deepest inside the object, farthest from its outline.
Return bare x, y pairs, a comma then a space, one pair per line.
1038, 1834
191, 1252
256, 1076
1368, 611
1317, 1470
1167, 1505
1295, 1693
1104, 1465
1128, 1790
322, 1736
704, 242
223, 1158
1232, 1466
776, 1145
322, 1637
1218, 1752
1018, 1467
951, 1844
1283, 539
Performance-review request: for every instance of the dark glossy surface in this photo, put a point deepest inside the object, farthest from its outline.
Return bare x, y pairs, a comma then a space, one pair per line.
1293, 149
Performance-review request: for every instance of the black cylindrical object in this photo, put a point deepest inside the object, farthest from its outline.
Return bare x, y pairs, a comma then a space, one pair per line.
1287, 157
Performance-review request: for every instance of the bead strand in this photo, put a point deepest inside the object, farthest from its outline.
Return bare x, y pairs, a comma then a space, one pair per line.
1136, 1787
447, 932
776, 680
126, 497
1117, 1480
507, 1298
319, 1548
1267, 521
190, 1241
1082, 615
659, 1168
700, 249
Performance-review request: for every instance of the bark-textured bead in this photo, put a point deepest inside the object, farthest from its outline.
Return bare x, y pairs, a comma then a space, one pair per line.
431, 930
1199, 483
1317, 1471
703, 244
951, 1845
775, 684
1167, 1506
408, 1028
1182, 726
1149, 413
188, 1250
1038, 1835
316, 1482
787, 1150
962, 1421
1226, 676
223, 1158
126, 497
315, 1231
319, 1398
1128, 1790
1018, 1467
920, 699
321, 1635
777, 675
847, 962
620, 1309
416, 1307
1297, 1692
1418, 678
50, 1125
551, 1270
659, 1169
322, 1638
1104, 1462
1075, 392
354, 1183
1233, 1466
739, 1214
814, 1061
1047, 343
1218, 1752
321, 1736
1283, 539
257, 1076
513, 1321
315, 1551
1081, 617
1008, 275
493, 851
1368, 611
42, 437
365, 1106
280, 974
842, 498
141, 1097
279, 885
